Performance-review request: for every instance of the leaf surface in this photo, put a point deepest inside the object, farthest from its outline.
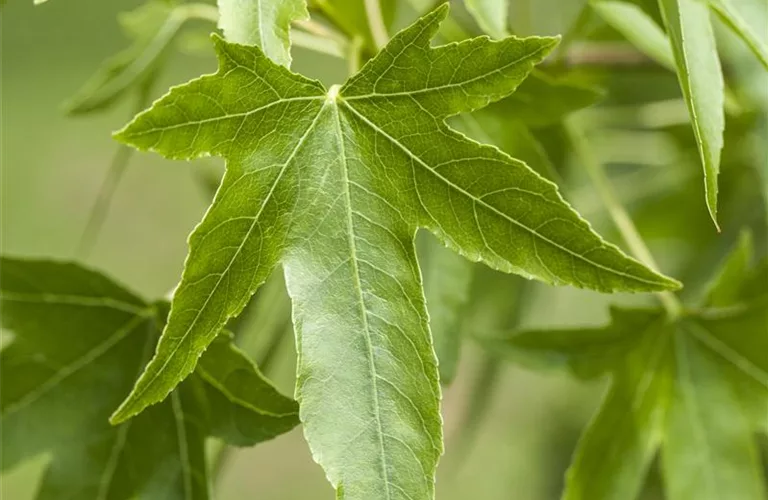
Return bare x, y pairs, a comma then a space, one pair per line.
79, 342
333, 184
693, 388
266, 23
747, 19
701, 80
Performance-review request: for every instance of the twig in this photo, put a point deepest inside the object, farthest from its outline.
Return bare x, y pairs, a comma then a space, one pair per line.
109, 185
376, 23
328, 46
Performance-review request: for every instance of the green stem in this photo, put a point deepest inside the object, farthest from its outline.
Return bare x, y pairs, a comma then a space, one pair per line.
120, 161
319, 44
616, 210
221, 456
197, 11
376, 23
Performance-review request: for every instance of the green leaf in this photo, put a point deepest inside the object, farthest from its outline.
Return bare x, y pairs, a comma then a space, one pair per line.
709, 449
695, 387
447, 283
542, 100
727, 286
333, 184
586, 353
614, 453
701, 80
491, 16
638, 27
266, 23
746, 18
79, 342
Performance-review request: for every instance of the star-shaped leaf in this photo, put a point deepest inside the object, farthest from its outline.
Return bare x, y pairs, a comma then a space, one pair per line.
694, 389
79, 341
333, 184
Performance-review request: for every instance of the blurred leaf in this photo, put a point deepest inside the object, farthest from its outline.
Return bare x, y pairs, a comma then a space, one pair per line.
586, 353
701, 80
153, 27
542, 100
351, 18
748, 19
639, 28
709, 450
545, 17
447, 280
491, 16
696, 386
266, 23
729, 282
614, 453
80, 341
333, 184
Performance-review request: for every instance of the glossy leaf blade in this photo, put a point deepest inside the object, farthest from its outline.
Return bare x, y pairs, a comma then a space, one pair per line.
701, 80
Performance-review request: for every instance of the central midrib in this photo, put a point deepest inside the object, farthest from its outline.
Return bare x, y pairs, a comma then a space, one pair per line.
361, 301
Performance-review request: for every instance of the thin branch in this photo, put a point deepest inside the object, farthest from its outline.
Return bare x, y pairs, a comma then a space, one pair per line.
319, 44
198, 11
616, 210
319, 29
376, 23
109, 185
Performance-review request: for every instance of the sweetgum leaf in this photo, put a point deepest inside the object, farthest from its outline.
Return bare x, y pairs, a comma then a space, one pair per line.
694, 389
79, 342
333, 184
266, 23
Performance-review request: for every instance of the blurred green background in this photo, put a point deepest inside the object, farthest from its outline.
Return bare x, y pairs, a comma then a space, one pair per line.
52, 167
